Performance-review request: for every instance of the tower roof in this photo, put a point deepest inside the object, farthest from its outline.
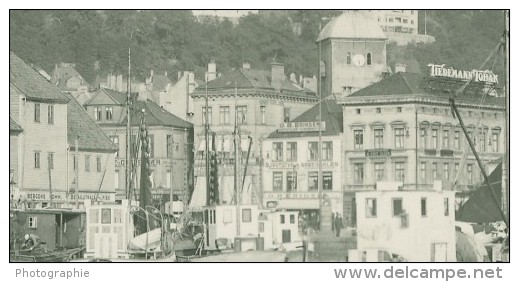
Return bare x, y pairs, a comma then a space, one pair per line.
352, 24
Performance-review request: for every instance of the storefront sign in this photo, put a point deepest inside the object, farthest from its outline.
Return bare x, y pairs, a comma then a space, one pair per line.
305, 165
62, 196
446, 153
378, 153
485, 76
122, 162
301, 126
297, 195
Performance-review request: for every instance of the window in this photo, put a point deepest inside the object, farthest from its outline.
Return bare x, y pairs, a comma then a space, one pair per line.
36, 112
50, 114
456, 168
404, 21
263, 113
446, 171
51, 160
277, 151
261, 227
75, 163
277, 181
169, 146
435, 171
445, 143
115, 140
379, 138
359, 139
399, 138
371, 207
98, 114
457, 139
399, 109
291, 181
98, 164
357, 111
312, 151
151, 139
482, 143
109, 112
282, 219
224, 115
246, 215
368, 59
379, 110
434, 137
209, 115
423, 138
106, 216
423, 170
291, 151
118, 218
33, 222
286, 114
313, 178
412, 21
327, 150
398, 209
400, 171
423, 204
37, 160
292, 219
116, 180
495, 142
241, 111
379, 171
87, 163
470, 175
327, 180
168, 179
446, 206
358, 173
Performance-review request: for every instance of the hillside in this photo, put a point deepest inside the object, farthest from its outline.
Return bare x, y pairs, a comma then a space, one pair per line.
98, 41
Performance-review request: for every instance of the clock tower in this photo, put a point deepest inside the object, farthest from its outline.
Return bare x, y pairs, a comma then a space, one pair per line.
353, 53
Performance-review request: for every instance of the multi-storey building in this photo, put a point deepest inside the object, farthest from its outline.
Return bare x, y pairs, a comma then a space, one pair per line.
259, 101
402, 129
170, 137
353, 53
401, 26
14, 158
52, 122
291, 163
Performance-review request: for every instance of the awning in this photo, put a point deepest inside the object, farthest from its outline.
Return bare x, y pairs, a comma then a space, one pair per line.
198, 199
245, 145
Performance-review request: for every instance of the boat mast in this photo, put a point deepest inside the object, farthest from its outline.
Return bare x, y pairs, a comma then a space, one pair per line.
506, 160
207, 183
128, 131
236, 158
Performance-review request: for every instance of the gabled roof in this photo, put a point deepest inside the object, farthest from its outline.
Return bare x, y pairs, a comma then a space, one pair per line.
252, 79
160, 82
81, 125
118, 98
414, 84
155, 115
31, 84
13, 125
331, 115
62, 73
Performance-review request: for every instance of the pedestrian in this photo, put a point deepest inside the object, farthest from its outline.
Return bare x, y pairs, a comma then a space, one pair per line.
338, 225
333, 221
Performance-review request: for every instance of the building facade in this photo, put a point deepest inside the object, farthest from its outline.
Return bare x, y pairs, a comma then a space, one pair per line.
402, 129
401, 26
170, 138
391, 221
256, 101
14, 158
291, 163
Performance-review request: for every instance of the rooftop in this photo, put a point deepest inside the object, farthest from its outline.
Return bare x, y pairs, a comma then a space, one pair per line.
64, 72
417, 85
30, 83
13, 125
331, 115
81, 125
352, 24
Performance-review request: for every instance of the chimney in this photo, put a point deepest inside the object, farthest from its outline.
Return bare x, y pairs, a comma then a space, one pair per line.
246, 65
293, 78
108, 85
277, 75
112, 82
165, 73
151, 74
211, 71
120, 83
400, 67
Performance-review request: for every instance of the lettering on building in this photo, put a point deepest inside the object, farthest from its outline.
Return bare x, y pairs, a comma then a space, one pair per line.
122, 162
485, 76
378, 153
305, 165
301, 126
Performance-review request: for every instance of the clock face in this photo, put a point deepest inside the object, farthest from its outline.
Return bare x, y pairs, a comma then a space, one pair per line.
358, 60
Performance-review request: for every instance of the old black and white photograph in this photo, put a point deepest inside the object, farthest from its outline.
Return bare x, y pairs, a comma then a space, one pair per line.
299, 136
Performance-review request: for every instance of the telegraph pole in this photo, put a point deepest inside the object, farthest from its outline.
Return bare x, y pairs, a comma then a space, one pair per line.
76, 144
